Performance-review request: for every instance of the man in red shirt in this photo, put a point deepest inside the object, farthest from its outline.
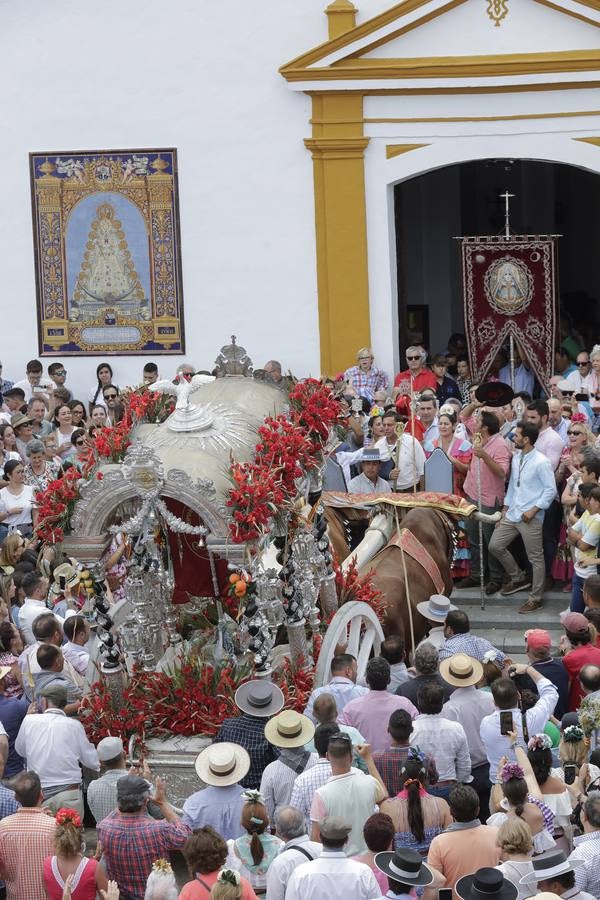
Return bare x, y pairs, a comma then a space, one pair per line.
583, 652
417, 377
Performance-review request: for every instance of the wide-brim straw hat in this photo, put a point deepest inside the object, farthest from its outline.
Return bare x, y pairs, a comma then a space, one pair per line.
259, 698
436, 608
69, 573
461, 670
289, 729
19, 419
222, 765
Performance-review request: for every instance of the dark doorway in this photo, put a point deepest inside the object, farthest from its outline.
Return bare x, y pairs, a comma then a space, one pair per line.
431, 209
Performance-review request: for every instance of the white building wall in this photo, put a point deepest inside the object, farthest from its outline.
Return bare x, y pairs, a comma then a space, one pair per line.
201, 77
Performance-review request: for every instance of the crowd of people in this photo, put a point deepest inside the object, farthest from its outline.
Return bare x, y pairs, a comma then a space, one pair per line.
535, 459
453, 770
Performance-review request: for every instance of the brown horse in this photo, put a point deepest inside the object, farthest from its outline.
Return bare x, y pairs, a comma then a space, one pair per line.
434, 530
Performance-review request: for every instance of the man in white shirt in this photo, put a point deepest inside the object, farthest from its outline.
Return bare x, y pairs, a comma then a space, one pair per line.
46, 630
349, 794
405, 468
77, 632
369, 482
577, 379
506, 699
531, 490
342, 687
333, 875
35, 588
469, 706
34, 382
297, 849
55, 747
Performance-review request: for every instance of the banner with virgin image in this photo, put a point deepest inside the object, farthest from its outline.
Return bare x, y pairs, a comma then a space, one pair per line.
509, 287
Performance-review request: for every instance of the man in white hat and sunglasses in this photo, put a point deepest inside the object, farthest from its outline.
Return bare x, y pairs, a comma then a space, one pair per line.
221, 767
369, 480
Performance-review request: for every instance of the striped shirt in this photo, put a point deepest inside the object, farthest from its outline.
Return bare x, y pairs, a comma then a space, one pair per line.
278, 779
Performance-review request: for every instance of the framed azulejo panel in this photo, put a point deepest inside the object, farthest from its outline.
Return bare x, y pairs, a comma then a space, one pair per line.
107, 252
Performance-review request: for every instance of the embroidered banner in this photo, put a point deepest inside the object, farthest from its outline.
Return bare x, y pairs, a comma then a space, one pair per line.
509, 287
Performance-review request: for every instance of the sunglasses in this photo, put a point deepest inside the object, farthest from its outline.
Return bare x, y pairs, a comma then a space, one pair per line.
582, 364
413, 358
341, 737
575, 432
79, 443
110, 396
61, 372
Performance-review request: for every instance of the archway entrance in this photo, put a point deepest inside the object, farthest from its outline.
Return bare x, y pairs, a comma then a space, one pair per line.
431, 209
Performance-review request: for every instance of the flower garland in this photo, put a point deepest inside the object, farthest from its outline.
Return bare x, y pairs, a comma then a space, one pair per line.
263, 488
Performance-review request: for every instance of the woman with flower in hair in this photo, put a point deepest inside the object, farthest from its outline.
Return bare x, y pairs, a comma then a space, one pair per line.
87, 877
227, 886
418, 817
516, 800
554, 791
258, 848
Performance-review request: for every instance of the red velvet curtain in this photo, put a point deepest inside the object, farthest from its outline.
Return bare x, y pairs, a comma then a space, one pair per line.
191, 566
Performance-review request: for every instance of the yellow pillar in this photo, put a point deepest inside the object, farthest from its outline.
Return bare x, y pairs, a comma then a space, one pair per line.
341, 17
337, 147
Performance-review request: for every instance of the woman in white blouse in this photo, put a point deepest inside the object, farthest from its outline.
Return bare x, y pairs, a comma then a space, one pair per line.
63, 427
16, 501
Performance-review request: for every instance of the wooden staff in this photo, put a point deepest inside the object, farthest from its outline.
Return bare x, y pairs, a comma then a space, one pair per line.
478, 442
413, 403
399, 429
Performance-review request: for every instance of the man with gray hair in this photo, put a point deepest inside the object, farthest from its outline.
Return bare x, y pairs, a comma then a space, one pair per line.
298, 848
426, 665
417, 377
586, 855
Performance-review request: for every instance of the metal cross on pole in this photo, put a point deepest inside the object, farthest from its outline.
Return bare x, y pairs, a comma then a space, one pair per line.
507, 198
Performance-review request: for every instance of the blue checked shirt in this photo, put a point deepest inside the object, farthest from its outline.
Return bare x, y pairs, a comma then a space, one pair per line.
249, 733
587, 876
367, 383
470, 644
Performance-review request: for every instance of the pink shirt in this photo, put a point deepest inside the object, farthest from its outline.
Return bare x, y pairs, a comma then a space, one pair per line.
371, 715
492, 487
550, 444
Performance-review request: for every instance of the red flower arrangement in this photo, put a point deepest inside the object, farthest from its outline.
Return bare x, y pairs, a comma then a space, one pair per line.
287, 446
194, 700
144, 405
55, 506
351, 585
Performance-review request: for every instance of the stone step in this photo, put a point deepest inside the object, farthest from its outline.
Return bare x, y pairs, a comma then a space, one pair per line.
502, 624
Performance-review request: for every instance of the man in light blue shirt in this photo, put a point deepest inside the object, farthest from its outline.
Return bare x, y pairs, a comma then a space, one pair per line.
342, 687
530, 492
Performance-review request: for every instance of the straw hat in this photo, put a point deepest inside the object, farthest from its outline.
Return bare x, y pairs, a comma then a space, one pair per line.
222, 765
461, 670
64, 576
19, 419
436, 608
289, 729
